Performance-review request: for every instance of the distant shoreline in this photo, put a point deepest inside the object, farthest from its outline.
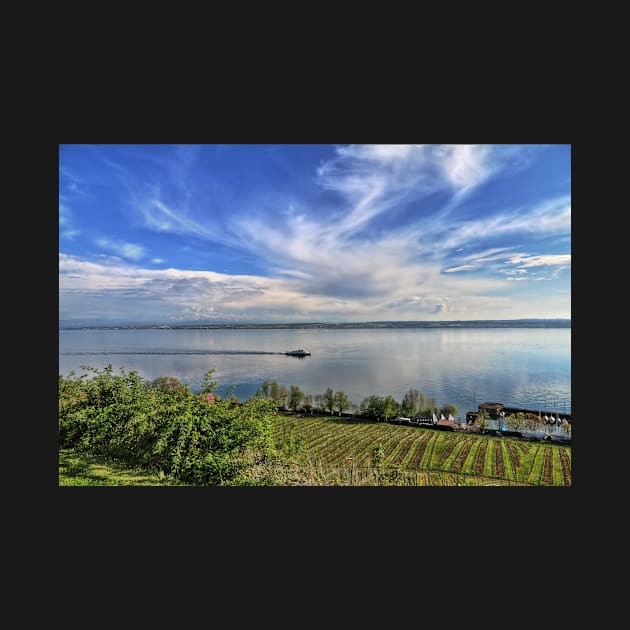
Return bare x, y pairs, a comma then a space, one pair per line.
507, 323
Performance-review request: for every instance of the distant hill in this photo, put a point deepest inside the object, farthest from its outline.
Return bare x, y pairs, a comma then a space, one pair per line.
478, 323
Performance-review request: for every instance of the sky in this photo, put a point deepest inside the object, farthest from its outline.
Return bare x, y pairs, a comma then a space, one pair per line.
262, 233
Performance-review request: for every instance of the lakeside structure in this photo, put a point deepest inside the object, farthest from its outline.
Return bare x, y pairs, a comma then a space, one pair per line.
497, 411
545, 427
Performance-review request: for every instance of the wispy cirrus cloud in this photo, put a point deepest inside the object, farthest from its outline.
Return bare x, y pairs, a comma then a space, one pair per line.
395, 231
524, 260
335, 258
546, 266
131, 251
518, 263
72, 184
550, 217
375, 178
460, 268
66, 229
372, 180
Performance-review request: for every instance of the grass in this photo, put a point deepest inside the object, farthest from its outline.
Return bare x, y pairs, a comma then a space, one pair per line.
81, 469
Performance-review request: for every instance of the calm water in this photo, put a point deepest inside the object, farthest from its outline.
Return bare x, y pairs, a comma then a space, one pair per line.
521, 367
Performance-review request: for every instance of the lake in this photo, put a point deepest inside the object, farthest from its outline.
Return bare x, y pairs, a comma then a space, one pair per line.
520, 367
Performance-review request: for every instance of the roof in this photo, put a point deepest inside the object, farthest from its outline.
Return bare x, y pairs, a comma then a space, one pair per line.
447, 423
491, 405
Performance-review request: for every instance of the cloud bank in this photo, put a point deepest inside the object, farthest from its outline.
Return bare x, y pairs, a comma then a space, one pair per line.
397, 232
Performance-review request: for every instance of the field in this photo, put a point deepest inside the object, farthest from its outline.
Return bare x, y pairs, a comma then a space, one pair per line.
333, 451
341, 451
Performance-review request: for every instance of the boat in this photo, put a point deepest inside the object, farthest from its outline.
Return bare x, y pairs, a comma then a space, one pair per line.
300, 352
534, 434
556, 436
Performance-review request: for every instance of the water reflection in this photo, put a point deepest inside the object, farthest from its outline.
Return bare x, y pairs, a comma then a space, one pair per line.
529, 368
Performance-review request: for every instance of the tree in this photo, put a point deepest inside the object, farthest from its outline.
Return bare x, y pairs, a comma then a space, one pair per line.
329, 399
390, 407
209, 384
512, 422
531, 420
374, 406
341, 401
308, 403
363, 407
295, 397
448, 409
282, 396
482, 419
278, 393
319, 402
274, 389
409, 405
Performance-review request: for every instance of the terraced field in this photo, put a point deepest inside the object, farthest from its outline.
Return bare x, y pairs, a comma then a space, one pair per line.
342, 449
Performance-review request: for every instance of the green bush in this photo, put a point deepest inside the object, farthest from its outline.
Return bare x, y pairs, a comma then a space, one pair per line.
168, 430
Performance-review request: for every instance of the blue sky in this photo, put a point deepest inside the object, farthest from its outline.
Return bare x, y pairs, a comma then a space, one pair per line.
329, 233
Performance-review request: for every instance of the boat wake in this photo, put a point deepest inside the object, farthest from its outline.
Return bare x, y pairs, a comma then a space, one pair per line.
169, 352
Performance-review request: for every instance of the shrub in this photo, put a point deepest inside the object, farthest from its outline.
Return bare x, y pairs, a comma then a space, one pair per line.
164, 428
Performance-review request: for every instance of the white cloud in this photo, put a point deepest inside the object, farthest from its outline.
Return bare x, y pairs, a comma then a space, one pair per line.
542, 261
357, 293
67, 230
371, 180
334, 258
495, 253
465, 165
131, 251
72, 184
64, 215
379, 153
550, 266
550, 217
328, 264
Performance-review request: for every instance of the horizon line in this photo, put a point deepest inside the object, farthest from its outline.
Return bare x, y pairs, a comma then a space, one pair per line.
312, 323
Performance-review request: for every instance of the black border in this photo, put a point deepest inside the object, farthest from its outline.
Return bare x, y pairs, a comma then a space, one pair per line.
303, 526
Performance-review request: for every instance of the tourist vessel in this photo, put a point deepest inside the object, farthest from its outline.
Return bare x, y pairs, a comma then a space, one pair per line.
300, 352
